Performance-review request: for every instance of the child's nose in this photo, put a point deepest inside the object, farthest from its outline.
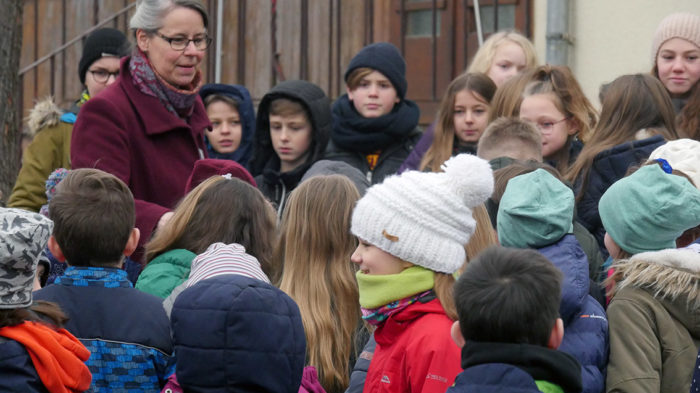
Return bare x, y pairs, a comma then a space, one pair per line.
355, 257
677, 64
373, 90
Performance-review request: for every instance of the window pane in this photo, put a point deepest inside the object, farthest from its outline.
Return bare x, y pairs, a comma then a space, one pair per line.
506, 17
420, 23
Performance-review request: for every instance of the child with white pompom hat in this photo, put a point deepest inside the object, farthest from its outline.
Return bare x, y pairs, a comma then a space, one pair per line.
412, 230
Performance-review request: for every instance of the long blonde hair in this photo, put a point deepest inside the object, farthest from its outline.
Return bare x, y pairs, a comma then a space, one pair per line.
442, 147
483, 59
220, 210
316, 246
484, 236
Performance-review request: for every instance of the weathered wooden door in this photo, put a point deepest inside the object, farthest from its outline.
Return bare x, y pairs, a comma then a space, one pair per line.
438, 39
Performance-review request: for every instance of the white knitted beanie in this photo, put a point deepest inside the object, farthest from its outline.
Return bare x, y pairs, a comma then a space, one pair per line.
679, 25
425, 218
682, 155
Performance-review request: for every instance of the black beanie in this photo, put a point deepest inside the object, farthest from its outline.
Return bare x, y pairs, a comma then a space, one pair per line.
102, 42
385, 58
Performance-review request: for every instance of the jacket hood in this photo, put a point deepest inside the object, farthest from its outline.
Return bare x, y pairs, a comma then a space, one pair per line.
253, 339
247, 115
672, 276
615, 162
568, 256
44, 114
318, 107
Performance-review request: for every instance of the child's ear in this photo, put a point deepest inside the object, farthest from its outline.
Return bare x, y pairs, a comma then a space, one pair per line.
347, 90
456, 334
557, 335
133, 242
574, 126
56, 249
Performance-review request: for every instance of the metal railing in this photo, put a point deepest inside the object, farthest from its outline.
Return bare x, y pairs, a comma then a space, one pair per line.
60, 52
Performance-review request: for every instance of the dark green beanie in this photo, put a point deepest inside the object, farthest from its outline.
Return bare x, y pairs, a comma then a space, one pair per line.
536, 210
649, 210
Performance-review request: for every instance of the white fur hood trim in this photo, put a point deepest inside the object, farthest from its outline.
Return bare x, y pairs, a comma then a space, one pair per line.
44, 114
668, 274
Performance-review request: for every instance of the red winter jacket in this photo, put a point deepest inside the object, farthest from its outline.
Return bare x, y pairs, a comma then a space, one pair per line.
415, 352
133, 136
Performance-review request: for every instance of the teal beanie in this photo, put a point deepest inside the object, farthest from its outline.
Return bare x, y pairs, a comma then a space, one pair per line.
649, 210
536, 210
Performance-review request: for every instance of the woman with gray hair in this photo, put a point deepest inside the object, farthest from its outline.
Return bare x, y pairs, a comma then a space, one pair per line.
147, 129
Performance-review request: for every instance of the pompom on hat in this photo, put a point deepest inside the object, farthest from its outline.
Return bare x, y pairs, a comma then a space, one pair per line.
679, 25
23, 236
425, 218
682, 155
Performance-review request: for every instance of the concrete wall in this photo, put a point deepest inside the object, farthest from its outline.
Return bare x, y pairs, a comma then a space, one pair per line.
611, 37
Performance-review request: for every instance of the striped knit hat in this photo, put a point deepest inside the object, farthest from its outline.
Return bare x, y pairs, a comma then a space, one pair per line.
220, 259
679, 25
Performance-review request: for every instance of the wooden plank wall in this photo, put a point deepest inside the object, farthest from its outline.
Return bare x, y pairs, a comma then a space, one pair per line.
313, 40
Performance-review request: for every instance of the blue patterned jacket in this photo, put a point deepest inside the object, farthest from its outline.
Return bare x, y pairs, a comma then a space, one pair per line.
126, 330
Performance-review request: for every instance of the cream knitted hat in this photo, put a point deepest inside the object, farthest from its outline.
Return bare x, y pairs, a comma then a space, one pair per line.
679, 25
682, 155
425, 218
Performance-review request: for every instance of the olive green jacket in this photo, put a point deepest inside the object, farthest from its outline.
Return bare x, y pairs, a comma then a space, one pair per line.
654, 320
48, 151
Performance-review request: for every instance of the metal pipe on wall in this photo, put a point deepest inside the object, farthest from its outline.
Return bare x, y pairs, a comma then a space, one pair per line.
558, 37
219, 39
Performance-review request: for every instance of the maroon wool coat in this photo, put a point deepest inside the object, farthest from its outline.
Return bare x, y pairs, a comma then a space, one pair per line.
133, 136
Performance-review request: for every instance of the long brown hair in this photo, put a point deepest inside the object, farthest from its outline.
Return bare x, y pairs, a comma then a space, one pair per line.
220, 210
631, 103
569, 100
443, 143
41, 311
506, 102
315, 247
689, 118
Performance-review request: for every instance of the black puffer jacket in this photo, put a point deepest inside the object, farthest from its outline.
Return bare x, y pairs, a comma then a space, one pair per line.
265, 164
608, 167
237, 334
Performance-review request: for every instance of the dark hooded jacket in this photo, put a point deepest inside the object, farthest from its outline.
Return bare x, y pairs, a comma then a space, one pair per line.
608, 167
246, 112
252, 338
265, 164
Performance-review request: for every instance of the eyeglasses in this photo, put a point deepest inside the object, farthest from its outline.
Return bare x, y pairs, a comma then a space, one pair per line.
180, 43
549, 125
102, 76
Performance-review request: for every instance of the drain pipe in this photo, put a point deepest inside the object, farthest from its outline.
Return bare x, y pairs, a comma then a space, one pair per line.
558, 37
219, 39
477, 18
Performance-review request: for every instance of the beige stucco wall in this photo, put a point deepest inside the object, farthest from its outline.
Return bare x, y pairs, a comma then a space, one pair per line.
611, 37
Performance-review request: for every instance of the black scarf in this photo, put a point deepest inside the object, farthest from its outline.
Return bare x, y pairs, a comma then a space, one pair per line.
353, 132
540, 362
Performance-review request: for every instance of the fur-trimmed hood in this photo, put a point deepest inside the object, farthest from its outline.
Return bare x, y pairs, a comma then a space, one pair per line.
44, 114
672, 276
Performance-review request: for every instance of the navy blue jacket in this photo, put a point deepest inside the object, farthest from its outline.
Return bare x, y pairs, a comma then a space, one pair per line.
126, 330
246, 112
237, 334
608, 167
17, 372
514, 368
585, 323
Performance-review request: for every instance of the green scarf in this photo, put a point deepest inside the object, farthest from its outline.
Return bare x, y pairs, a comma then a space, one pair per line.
378, 290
